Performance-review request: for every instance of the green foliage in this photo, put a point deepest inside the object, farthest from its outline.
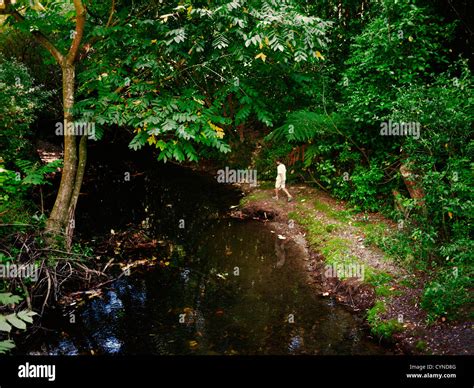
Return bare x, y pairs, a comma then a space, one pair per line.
302, 126
6, 346
395, 63
9, 298
12, 184
380, 327
444, 296
362, 189
397, 48
17, 320
184, 82
35, 172
266, 162
20, 100
16, 208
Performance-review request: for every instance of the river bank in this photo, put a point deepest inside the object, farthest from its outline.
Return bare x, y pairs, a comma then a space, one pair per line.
345, 264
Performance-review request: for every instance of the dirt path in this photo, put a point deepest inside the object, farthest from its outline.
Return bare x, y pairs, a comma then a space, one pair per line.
346, 264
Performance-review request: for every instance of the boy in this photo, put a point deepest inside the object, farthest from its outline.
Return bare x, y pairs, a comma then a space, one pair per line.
280, 181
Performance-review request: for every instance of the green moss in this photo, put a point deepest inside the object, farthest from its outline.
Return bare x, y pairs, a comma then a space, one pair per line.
378, 308
316, 230
331, 228
386, 329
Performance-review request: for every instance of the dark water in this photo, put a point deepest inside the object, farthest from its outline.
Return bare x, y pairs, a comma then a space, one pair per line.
232, 287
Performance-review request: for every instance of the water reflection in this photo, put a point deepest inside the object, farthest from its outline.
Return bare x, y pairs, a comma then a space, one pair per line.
280, 252
225, 312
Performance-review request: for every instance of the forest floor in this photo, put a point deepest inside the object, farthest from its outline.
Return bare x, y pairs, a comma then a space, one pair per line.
345, 263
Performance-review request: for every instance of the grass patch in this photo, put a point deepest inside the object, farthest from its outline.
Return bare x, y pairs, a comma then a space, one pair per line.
322, 207
340, 215
377, 278
315, 229
380, 327
374, 232
335, 251
421, 346
255, 196
383, 291
266, 185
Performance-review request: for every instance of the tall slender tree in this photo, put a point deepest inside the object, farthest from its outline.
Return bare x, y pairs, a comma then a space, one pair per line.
61, 218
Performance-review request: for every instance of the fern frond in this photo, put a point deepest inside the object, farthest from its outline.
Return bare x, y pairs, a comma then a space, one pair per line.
303, 126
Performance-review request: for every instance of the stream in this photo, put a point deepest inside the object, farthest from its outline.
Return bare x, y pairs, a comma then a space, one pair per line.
229, 287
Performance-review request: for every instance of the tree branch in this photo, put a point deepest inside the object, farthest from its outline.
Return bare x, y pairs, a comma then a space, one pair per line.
112, 11
79, 32
39, 36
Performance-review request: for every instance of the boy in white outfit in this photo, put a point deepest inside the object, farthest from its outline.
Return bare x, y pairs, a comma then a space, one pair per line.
280, 181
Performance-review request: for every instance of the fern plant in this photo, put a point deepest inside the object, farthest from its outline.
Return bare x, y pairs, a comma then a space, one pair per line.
306, 126
35, 172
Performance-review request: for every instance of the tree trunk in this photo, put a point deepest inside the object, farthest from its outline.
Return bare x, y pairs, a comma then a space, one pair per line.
412, 183
81, 168
59, 216
59, 221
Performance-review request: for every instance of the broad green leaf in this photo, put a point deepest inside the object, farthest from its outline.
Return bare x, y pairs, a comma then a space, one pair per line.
14, 321
6, 346
9, 298
4, 326
26, 315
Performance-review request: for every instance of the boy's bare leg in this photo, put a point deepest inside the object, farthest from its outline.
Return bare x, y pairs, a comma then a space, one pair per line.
287, 193
276, 193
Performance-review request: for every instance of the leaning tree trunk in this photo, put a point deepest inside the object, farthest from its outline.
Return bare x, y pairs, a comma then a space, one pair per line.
59, 217
71, 178
81, 168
